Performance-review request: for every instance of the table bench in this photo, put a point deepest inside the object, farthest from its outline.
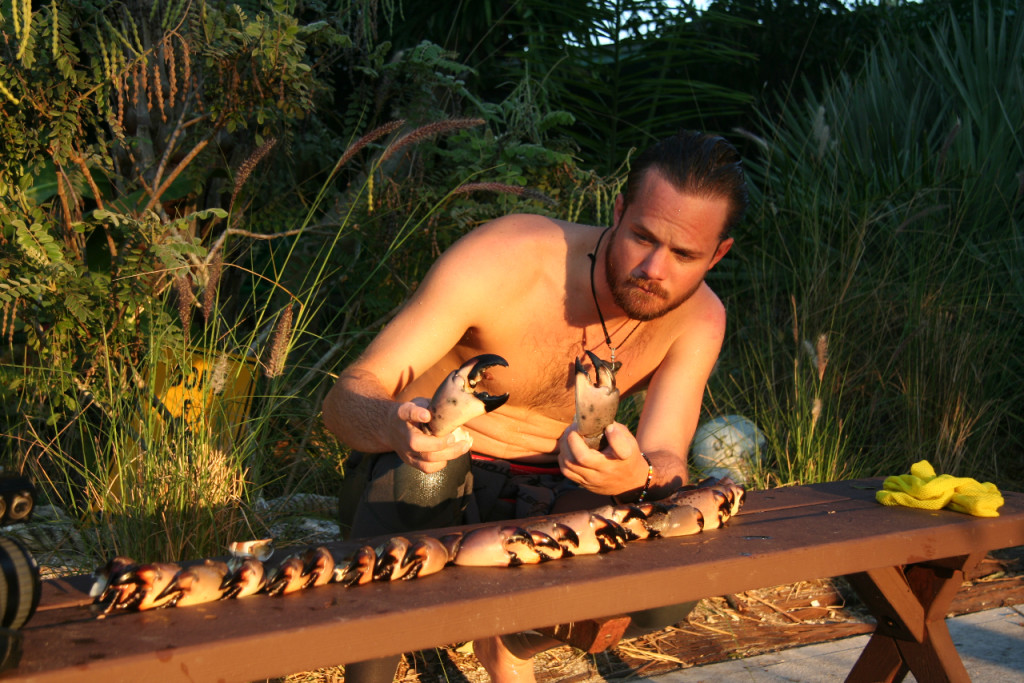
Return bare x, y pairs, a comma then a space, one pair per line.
906, 564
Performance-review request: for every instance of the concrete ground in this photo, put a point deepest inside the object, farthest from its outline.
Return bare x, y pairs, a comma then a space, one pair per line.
990, 643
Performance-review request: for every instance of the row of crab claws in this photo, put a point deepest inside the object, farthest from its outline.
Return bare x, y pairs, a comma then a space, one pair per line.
597, 400
547, 538
455, 402
122, 584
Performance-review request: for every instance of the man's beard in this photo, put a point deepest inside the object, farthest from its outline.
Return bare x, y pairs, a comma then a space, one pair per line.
640, 298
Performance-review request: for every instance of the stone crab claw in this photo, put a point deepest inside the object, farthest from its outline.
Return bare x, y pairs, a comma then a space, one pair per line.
424, 556
289, 577
404, 559
455, 403
103, 574
730, 489
427, 555
714, 505
136, 587
592, 533
247, 578
391, 559
195, 585
667, 520
495, 546
358, 568
318, 566
260, 549
631, 518
597, 401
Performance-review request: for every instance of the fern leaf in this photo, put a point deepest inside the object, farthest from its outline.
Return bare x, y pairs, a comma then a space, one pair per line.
78, 305
21, 288
172, 253
38, 244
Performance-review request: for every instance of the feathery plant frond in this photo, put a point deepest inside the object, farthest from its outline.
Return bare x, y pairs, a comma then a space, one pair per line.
425, 132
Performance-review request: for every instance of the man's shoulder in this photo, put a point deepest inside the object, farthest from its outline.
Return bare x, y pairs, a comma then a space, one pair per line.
711, 303
514, 250
516, 236
523, 226
703, 316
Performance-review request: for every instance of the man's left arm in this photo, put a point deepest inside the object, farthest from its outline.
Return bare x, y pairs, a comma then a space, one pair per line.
667, 424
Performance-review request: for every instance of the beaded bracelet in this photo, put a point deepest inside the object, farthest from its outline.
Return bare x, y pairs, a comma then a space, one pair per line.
650, 476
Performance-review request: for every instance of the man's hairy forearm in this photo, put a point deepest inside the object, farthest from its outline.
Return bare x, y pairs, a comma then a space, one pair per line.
356, 411
669, 474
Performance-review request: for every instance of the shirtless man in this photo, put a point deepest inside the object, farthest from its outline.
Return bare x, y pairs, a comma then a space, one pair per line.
539, 292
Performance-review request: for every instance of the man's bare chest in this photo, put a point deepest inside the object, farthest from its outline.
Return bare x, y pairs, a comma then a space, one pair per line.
542, 362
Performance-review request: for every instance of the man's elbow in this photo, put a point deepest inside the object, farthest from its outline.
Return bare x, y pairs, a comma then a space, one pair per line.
333, 409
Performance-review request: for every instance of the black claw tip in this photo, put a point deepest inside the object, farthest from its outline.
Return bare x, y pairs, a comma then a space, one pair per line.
492, 402
480, 363
488, 360
599, 363
570, 535
518, 534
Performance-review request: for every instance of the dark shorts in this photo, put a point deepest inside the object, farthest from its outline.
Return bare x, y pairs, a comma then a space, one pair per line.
383, 495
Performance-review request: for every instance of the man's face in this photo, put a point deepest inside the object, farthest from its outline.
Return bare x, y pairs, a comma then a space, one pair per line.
663, 245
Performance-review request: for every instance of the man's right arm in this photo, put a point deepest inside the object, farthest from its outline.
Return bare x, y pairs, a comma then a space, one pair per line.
363, 415
357, 401
361, 409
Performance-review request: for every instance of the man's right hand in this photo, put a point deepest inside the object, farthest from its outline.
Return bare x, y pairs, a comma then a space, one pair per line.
418, 449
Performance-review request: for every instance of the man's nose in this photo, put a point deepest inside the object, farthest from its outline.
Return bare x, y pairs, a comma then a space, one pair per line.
654, 266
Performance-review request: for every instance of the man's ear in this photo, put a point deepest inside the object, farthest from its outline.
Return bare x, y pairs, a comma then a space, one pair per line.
723, 248
620, 206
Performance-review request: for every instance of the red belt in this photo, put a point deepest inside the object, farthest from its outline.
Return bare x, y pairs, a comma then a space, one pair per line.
521, 468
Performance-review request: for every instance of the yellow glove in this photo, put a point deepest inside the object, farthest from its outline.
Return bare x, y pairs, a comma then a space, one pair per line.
980, 500
923, 489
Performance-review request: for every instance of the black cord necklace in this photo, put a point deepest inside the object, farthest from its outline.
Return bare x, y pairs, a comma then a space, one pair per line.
600, 315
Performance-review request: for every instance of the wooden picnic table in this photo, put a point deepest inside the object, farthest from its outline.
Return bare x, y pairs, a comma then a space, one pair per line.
905, 563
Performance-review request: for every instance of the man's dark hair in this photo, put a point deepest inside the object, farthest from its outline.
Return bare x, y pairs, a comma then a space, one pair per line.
695, 163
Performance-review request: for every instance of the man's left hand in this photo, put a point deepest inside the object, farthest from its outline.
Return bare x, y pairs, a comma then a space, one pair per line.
616, 469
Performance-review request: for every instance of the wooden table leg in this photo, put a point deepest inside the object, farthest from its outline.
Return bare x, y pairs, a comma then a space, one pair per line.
880, 661
592, 635
910, 605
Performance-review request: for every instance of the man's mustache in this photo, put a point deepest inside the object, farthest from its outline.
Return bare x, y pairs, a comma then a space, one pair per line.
648, 286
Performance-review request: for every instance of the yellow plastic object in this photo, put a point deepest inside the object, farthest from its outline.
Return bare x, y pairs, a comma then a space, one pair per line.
209, 393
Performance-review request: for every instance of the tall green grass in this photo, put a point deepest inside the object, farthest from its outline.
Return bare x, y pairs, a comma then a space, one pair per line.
887, 216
